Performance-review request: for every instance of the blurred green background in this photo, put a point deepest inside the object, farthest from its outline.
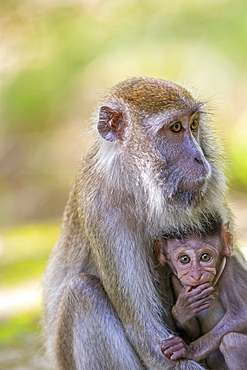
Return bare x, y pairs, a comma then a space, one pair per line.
57, 58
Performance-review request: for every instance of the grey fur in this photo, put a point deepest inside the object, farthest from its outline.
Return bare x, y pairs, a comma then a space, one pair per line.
102, 309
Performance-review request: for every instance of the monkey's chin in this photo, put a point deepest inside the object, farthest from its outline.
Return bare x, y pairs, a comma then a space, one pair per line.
193, 184
187, 198
191, 192
187, 193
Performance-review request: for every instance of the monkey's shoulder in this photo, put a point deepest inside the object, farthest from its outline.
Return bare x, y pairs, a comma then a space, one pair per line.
234, 275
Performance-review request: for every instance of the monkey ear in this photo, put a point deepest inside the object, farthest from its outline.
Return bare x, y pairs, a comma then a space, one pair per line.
110, 124
228, 239
160, 253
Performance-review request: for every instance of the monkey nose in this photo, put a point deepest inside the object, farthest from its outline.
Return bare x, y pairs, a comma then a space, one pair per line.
199, 160
196, 275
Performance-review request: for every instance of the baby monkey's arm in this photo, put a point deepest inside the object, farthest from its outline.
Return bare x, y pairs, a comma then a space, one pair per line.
190, 302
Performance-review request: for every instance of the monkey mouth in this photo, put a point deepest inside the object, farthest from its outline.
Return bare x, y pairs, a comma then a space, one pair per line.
186, 191
190, 192
195, 286
193, 184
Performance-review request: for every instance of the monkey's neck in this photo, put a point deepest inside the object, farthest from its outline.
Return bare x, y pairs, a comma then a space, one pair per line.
221, 269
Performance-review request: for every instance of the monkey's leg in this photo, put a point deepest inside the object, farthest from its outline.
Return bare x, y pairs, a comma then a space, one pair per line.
233, 347
90, 336
216, 361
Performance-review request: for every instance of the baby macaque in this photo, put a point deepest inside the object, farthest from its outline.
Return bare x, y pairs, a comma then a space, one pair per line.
210, 290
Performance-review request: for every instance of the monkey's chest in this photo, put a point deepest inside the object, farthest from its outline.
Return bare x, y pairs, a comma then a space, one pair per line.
210, 317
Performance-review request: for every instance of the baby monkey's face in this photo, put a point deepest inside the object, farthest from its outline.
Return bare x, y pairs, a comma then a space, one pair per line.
193, 260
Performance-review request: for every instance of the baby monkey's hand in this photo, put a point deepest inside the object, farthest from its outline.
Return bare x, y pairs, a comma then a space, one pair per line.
191, 301
174, 348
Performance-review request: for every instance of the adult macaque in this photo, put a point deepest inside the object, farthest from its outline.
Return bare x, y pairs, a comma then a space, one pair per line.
154, 166
211, 299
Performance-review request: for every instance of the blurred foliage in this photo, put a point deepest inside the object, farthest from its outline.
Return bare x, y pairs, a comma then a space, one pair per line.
25, 250
14, 329
21, 344
57, 58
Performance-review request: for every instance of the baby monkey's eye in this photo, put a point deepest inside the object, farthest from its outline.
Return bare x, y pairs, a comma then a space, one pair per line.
205, 257
184, 259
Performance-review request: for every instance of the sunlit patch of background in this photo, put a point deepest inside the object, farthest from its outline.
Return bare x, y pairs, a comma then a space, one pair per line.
57, 59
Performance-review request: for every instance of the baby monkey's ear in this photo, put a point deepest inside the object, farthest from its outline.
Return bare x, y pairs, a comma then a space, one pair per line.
227, 238
159, 250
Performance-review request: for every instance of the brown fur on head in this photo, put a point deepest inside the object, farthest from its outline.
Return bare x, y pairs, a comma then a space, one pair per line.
155, 95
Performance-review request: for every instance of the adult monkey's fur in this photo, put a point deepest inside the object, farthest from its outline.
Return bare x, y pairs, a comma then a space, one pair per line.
150, 170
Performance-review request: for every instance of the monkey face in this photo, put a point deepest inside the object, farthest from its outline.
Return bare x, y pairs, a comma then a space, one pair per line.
178, 145
156, 128
194, 261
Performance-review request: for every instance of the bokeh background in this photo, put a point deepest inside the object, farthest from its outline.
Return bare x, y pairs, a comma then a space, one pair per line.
57, 59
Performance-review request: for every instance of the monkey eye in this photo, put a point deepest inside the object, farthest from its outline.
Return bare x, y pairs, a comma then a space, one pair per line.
184, 259
205, 257
194, 125
176, 127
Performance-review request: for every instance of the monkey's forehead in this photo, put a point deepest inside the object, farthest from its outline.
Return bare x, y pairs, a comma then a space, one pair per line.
155, 95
